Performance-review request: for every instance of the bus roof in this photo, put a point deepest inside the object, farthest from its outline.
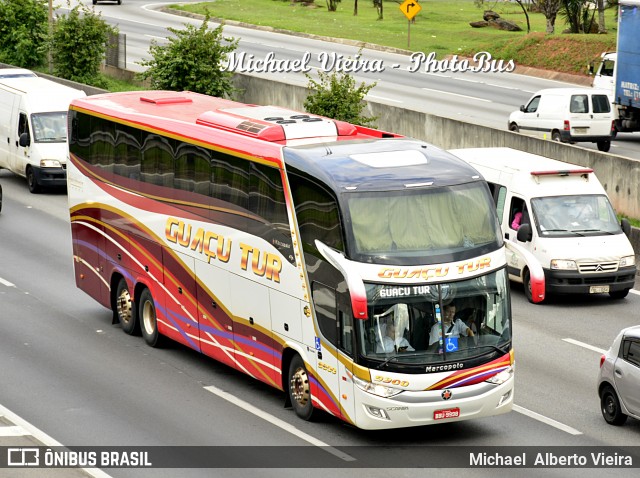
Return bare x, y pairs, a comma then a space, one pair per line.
263, 131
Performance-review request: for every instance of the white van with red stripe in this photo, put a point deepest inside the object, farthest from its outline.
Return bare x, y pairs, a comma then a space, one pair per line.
561, 214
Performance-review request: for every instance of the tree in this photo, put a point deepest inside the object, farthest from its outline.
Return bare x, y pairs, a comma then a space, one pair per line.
379, 8
601, 26
336, 96
23, 32
332, 5
550, 9
193, 60
78, 45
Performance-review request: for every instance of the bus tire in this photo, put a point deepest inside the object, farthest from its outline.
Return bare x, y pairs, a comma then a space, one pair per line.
124, 309
300, 388
149, 319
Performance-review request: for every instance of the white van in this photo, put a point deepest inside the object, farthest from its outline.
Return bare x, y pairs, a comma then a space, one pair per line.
33, 129
569, 115
565, 221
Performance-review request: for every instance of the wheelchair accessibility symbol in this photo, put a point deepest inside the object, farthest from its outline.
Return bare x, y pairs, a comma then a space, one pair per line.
451, 344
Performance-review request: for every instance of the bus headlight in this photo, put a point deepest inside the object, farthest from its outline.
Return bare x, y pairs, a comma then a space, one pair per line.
500, 378
376, 389
628, 261
50, 163
563, 264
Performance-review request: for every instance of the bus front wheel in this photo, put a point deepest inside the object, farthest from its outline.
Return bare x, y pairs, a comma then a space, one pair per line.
124, 308
300, 389
149, 319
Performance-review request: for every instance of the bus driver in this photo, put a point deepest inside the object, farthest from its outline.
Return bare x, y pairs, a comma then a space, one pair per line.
452, 328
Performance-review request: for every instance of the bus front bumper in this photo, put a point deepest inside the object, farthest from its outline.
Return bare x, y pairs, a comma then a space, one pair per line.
410, 409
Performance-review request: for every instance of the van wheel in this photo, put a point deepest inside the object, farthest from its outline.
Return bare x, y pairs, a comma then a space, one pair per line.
604, 146
124, 310
555, 136
149, 319
526, 281
619, 294
34, 187
300, 388
514, 127
610, 406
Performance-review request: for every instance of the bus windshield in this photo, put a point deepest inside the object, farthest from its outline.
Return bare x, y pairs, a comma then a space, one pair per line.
431, 324
411, 226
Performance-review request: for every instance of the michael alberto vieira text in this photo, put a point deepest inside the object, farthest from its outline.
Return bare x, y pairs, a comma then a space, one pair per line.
551, 460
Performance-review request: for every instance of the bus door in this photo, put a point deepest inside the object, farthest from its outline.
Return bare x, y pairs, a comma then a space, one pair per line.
214, 316
335, 321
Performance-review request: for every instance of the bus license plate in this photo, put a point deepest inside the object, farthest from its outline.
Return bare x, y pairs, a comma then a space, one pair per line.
449, 413
598, 289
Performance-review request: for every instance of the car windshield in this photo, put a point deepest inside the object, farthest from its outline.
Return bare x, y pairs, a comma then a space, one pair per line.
568, 216
49, 127
431, 324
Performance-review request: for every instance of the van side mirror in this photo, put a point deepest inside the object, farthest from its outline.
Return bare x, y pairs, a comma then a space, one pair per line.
522, 108
626, 227
525, 234
25, 140
590, 68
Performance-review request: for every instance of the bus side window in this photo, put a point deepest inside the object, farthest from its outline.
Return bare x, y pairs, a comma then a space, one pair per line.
324, 300
317, 214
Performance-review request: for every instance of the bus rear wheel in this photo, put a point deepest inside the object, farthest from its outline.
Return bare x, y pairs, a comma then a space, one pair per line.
124, 310
300, 389
149, 319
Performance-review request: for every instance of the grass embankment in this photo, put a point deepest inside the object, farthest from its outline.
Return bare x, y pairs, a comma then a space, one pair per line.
442, 27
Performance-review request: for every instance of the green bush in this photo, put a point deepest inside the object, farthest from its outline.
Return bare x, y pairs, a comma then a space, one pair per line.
78, 44
336, 96
193, 60
23, 32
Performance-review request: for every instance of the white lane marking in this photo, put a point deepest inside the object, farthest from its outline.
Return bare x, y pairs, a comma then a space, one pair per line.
583, 345
385, 99
633, 291
277, 422
6, 283
456, 94
15, 431
546, 420
43, 437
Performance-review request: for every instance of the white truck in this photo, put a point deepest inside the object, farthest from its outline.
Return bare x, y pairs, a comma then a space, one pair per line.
619, 72
561, 215
33, 129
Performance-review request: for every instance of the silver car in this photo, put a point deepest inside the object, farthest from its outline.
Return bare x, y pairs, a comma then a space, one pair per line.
619, 378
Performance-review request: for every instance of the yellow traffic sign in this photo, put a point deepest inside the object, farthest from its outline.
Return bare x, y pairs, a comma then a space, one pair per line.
410, 8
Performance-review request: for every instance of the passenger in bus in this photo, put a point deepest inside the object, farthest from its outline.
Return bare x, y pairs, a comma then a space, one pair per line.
390, 342
452, 326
